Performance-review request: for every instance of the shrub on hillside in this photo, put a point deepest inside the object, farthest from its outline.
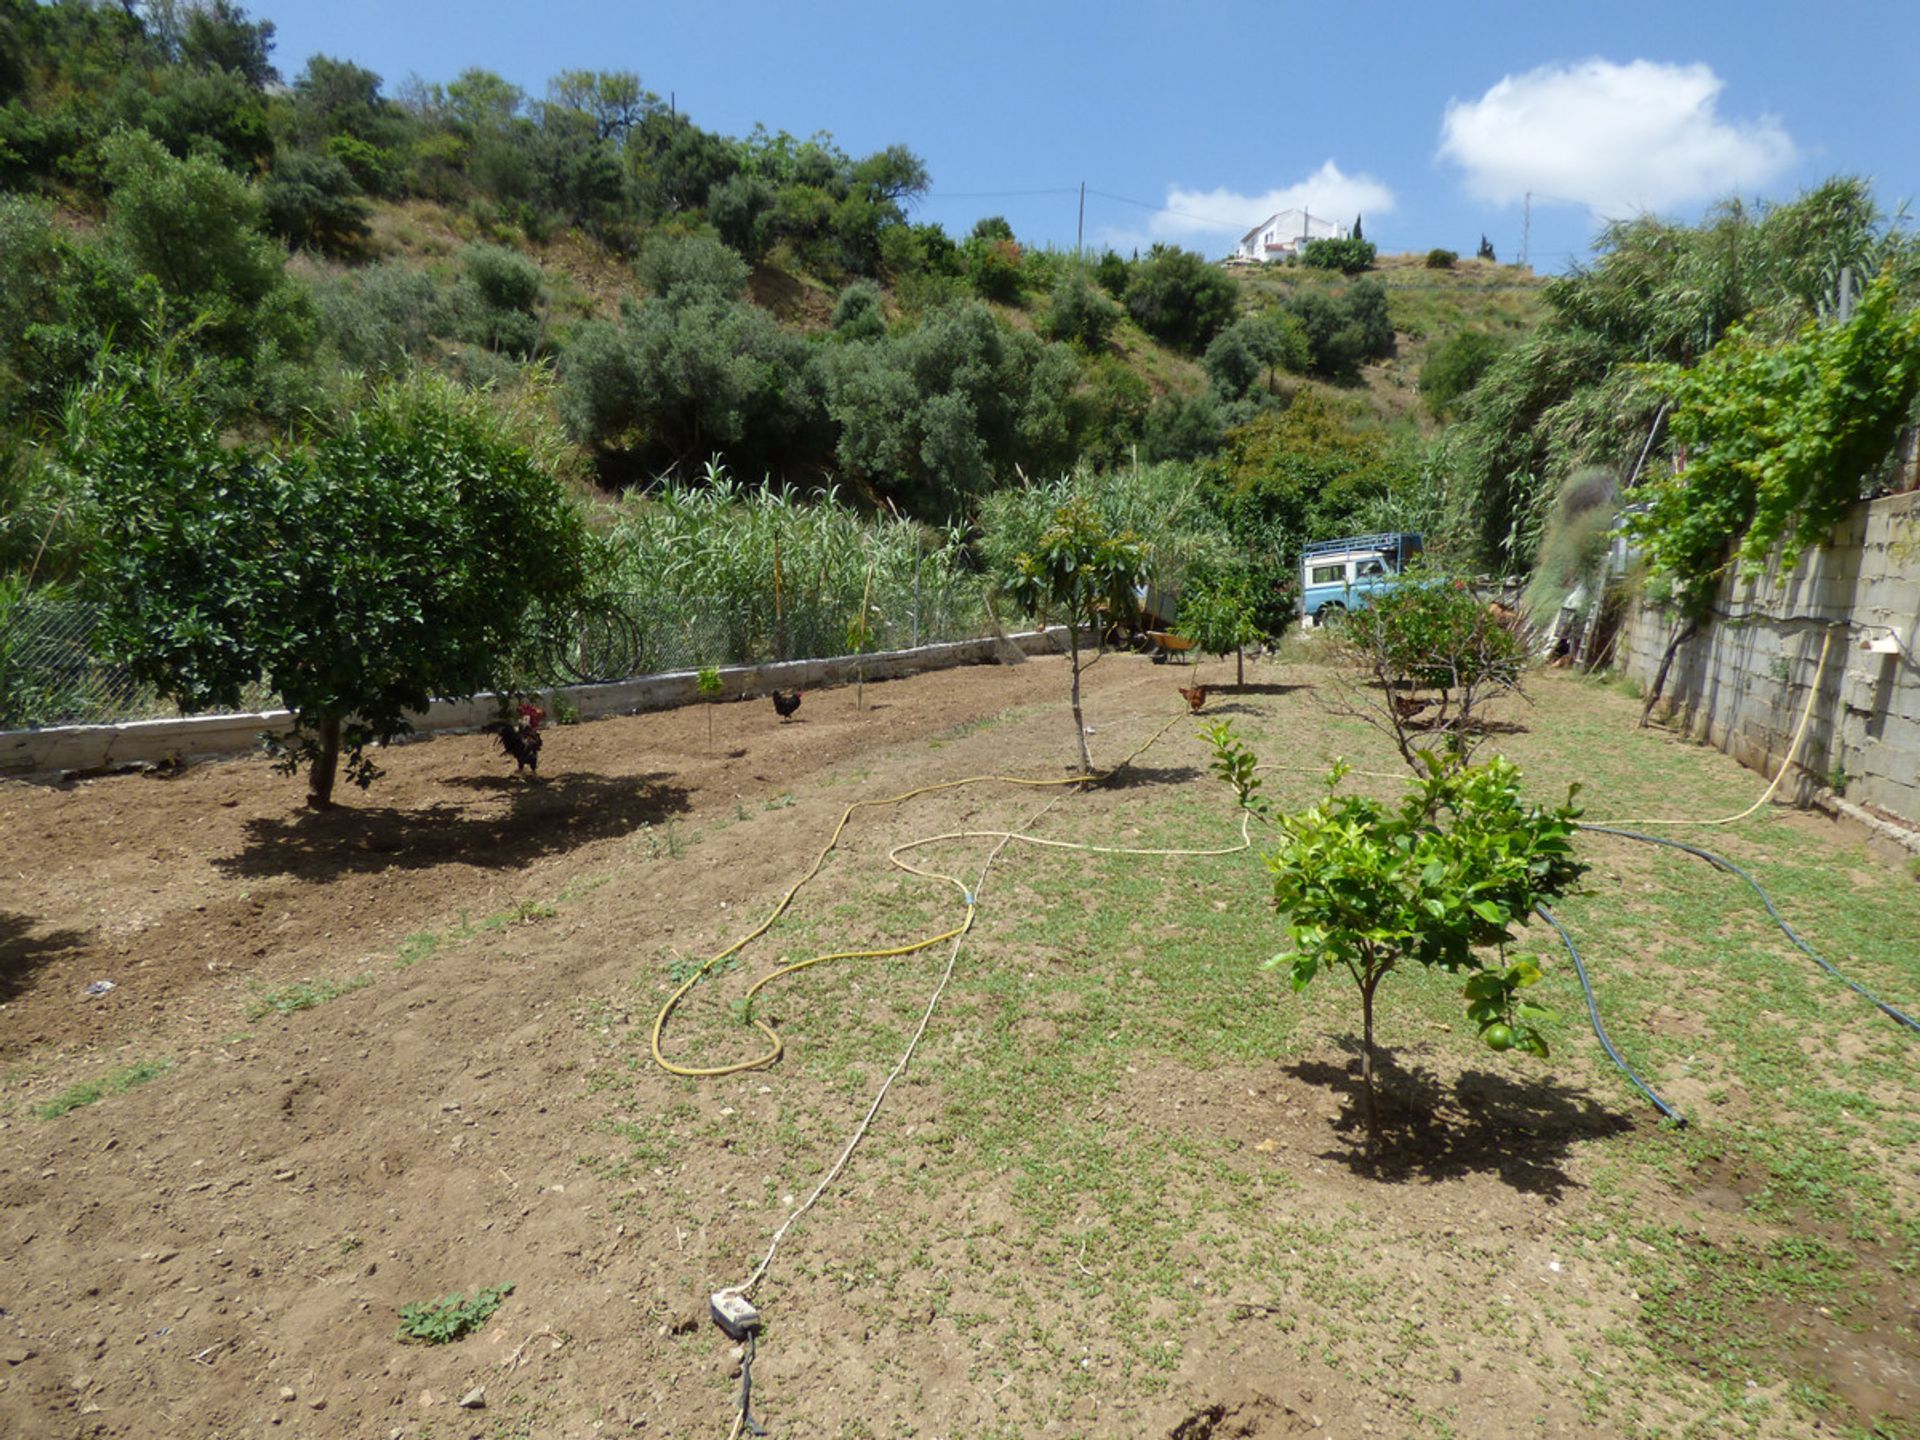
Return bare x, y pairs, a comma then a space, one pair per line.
1455, 366
1081, 312
1441, 259
1180, 299
1344, 330
1349, 256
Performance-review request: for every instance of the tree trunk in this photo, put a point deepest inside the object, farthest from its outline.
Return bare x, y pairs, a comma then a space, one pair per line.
1366, 1063
1240, 668
1685, 633
326, 766
1079, 726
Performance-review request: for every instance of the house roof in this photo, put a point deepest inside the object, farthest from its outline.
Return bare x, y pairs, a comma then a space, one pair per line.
1308, 222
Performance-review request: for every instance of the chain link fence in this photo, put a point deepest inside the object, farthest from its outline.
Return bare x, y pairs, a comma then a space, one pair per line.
50, 674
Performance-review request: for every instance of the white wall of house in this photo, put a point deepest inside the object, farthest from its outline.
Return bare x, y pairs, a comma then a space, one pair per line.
1282, 234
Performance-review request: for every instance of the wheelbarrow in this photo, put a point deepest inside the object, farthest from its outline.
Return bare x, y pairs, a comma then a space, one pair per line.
1166, 645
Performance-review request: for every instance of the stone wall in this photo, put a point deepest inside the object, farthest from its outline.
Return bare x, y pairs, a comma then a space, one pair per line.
1743, 682
61, 749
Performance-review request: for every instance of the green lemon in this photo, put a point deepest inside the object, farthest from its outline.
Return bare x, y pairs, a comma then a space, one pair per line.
1500, 1037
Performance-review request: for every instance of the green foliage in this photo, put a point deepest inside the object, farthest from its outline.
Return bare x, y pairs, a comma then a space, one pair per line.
116, 1082
312, 201
1344, 330
501, 300
1164, 504
992, 265
711, 551
392, 562
1451, 871
859, 313
1576, 395
1434, 633
935, 415
1252, 346
1349, 256
1179, 298
1220, 611
1081, 314
1454, 366
1779, 440
302, 995
438, 1322
1085, 571
708, 680
1438, 259
1293, 476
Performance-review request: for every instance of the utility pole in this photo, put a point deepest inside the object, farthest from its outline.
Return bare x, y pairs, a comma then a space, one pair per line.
1080, 225
1846, 293
1526, 229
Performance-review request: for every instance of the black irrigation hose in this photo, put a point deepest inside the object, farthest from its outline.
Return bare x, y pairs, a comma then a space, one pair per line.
1723, 863
1599, 1030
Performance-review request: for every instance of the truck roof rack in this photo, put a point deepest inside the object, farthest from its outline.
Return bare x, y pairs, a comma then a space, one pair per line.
1382, 540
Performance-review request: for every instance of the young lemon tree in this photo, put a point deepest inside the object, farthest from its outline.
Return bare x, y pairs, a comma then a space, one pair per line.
1086, 571
1438, 880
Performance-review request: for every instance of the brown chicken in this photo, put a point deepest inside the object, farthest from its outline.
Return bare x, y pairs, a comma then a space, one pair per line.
1196, 696
521, 741
1408, 706
786, 703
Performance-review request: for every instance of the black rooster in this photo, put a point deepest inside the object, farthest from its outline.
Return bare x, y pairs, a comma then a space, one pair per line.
786, 703
521, 741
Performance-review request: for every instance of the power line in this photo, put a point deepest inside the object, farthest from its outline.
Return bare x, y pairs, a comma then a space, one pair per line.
1169, 210
996, 194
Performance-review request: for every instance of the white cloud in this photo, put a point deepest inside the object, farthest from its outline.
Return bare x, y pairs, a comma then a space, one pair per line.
1616, 138
1215, 219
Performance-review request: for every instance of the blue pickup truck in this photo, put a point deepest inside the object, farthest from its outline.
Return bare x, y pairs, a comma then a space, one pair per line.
1340, 575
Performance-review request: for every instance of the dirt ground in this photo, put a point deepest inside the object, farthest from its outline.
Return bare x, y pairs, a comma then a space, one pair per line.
222, 1251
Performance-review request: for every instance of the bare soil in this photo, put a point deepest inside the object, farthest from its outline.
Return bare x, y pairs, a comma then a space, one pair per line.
224, 1250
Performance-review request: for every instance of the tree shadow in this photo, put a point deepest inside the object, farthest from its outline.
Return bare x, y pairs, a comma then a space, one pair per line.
1260, 687
543, 817
1136, 777
23, 951
1519, 1128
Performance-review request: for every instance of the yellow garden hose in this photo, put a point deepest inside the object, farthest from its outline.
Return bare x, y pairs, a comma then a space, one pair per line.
1799, 735
774, 1045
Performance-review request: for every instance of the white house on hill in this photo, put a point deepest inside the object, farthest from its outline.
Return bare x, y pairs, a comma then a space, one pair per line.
1284, 233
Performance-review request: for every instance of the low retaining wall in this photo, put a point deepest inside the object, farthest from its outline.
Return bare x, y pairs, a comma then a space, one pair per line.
59, 749
1742, 682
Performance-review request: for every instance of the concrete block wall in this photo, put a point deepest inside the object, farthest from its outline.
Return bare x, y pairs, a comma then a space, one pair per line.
58, 749
1743, 682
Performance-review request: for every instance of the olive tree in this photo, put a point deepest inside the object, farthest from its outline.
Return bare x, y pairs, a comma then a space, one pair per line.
1087, 571
393, 561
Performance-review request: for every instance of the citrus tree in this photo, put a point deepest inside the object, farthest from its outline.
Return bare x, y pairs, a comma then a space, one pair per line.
1086, 571
1439, 880
1220, 614
391, 562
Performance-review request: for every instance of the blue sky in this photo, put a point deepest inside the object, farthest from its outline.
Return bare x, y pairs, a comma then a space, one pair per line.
1188, 124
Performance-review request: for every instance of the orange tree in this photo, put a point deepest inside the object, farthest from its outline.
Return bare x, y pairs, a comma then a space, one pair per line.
1437, 880
392, 562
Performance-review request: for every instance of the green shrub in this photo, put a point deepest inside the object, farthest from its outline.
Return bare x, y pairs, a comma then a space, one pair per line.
1455, 365
1441, 259
1349, 256
1180, 298
1081, 312
858, 314
1449, 873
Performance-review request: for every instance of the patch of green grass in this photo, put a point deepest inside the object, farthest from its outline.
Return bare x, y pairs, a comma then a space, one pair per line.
114, 1082
302, 995
418, 946
439, 1322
